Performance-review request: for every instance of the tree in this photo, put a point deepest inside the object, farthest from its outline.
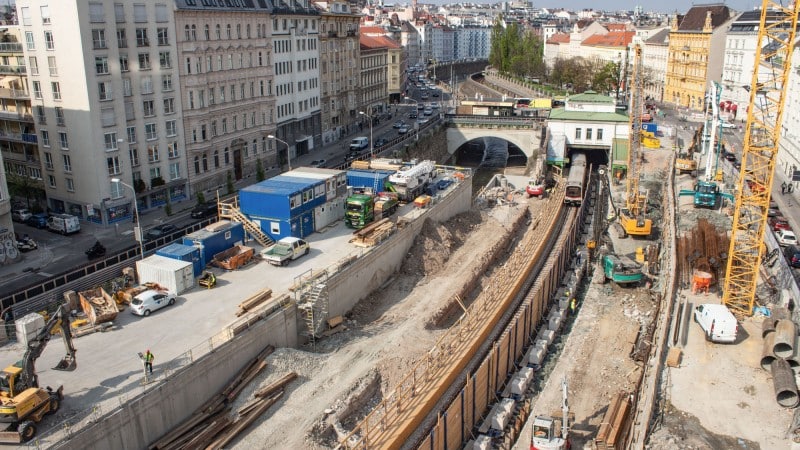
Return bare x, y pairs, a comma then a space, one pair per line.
201, 198
260, 175
607, 76
24, 186
229, 182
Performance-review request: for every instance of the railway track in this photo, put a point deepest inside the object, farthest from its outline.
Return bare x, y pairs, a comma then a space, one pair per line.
444, 397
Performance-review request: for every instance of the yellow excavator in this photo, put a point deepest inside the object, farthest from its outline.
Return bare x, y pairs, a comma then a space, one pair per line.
23, 403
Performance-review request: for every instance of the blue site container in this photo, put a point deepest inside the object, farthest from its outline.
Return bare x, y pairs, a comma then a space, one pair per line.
279, 197
368, 178
182, 252
316, 186
300, 226
215, 238
651, 127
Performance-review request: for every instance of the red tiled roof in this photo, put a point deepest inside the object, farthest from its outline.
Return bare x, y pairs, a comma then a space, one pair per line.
611, 39
371, 30
616, 27
371, 42
559, 38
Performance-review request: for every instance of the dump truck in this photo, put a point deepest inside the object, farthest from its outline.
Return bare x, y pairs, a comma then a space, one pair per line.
621, 270
362, 209
285, 250
98, 305
23, 403
234, 257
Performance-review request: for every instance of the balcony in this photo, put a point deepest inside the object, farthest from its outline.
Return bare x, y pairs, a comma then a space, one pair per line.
11, 115
27, 138
13, 93
332, 33
13, 70
352, 33
10, 47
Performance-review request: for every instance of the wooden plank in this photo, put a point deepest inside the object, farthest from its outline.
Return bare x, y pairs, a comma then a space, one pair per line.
216, 427
252, 373
276, 386
242, 424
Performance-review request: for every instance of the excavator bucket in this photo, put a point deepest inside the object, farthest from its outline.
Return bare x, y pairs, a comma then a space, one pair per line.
68, 363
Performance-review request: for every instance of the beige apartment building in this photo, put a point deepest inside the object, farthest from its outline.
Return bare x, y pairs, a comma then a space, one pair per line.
226, 76
374, 75
104, 81
339, 53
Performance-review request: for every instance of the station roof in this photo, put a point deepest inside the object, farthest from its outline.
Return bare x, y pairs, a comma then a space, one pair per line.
587, 116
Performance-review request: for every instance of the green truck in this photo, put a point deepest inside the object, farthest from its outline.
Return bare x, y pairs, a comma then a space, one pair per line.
621, 270
361, 209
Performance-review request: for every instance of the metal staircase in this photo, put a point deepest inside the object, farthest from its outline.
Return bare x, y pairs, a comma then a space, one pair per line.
229, 209
315, 309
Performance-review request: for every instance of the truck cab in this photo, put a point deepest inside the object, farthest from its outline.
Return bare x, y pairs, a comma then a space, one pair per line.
359, 210
285, 250
544, 436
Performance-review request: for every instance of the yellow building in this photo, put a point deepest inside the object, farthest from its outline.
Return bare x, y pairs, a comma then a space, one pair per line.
696, 51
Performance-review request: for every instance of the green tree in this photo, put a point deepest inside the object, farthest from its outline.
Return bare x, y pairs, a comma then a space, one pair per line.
260, 175
24, 186
229, 182
168, 207
201, 198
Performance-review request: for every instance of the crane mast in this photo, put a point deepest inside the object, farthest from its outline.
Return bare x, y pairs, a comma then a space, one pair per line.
633, 202
776, 39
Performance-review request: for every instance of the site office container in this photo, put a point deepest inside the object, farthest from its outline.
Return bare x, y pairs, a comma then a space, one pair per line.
299, 226
183, 252
329, 212
174, 275
373, 179
280, 197
215, 238
651, 127
313, 191
335, 180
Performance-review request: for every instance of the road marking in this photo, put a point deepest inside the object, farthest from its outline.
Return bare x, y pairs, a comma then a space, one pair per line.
45, 274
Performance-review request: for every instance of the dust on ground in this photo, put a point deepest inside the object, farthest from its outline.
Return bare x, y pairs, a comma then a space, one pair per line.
348, 373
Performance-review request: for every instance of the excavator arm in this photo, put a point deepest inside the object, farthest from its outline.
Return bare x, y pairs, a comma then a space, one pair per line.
58, 323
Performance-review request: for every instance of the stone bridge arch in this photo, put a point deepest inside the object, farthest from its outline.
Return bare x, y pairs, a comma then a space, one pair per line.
527, 139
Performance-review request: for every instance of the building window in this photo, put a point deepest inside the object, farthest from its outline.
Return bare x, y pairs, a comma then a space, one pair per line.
197, 165
101, 65
141, 38
131, 133
169, 105
127, 90
45, 11
37, 90
139, 13
122, 39
149, 108
51, 181
589, 134
113, 165
163, 36
70, 184
25, 12
99, 39
164, 60
599, 134
206, 33
63, 141
49, 43
45, 138
119, 12
48, 160
144, 61
174, 171
51, 64
111, 141
172, 150
67, 163
577, 133
150, 131
227, 156
216, 158
171, 128
146, 84
56, 87
123, 63
217, 30
134, 154
228, 31
116, 190
60, 116
152, 153
105, 91
40, 115
205, 162
33, 64
166, 83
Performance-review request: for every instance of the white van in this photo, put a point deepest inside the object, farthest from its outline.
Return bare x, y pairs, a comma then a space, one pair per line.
63, 223
717, 322
359, 144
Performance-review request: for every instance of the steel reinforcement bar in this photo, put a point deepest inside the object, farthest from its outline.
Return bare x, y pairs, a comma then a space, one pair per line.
392, 422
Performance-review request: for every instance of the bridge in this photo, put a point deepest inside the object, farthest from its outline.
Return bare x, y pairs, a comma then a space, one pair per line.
524, 132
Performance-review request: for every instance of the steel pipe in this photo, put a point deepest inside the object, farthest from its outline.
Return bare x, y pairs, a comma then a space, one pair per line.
767, 357
785, 338
768, 326
785, 386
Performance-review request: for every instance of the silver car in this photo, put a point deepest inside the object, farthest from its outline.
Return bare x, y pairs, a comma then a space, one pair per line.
151, 300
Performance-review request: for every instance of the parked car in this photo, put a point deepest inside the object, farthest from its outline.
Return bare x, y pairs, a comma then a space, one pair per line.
728, 125
151, 300
20, 214
434, 105
380, 142
318, 163
792, 254
428, 111
398, 124
285, 250
730, 156
413, 115
38, 220
204, 210
424, 96
778, 223
160, 231
435, 93
64, 224
785, 237
402, 130
717, 322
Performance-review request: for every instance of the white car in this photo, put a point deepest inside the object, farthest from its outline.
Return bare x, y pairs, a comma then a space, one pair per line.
728, 125
151, 300
318, 163
785, 237
717, 322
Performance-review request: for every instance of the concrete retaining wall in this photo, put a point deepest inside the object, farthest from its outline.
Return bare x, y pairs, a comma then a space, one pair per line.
348, 287
142, 420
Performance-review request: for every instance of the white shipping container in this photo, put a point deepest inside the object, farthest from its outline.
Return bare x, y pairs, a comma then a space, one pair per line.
28, 326
175, 275
328, 213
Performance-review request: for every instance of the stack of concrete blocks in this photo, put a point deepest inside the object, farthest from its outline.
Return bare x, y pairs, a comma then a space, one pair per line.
28, 327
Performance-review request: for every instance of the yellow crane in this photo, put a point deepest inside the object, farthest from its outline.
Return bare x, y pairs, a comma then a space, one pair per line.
632, 217
776, 39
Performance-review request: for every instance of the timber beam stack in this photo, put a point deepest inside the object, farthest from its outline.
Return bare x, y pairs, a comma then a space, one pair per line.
212, 426
253, 301
374, 233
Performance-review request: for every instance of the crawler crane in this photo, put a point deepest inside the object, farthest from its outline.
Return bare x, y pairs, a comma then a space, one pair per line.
632, 217
776, 40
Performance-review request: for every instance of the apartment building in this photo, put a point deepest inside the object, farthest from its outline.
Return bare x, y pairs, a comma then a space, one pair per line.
18, 139
226, 78
696, 50
410, 41
788, 161
655, 51
295, 44
472, 42
106, 104
374, 75
339, 54
739, 62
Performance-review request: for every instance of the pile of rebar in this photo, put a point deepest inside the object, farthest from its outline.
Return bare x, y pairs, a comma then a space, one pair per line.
703, 248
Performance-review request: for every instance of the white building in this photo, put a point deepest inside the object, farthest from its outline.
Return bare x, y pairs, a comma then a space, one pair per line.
789, 144
740, 59
655, 52
104, 80
472, 43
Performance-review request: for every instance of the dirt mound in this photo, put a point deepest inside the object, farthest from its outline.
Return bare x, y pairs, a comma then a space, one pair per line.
436, 242
679, 429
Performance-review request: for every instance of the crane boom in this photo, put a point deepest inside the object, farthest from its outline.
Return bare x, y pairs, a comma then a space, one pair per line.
776, 39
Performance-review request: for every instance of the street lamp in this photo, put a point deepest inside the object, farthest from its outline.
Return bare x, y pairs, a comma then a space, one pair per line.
138, 236
288, 155
371, 148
